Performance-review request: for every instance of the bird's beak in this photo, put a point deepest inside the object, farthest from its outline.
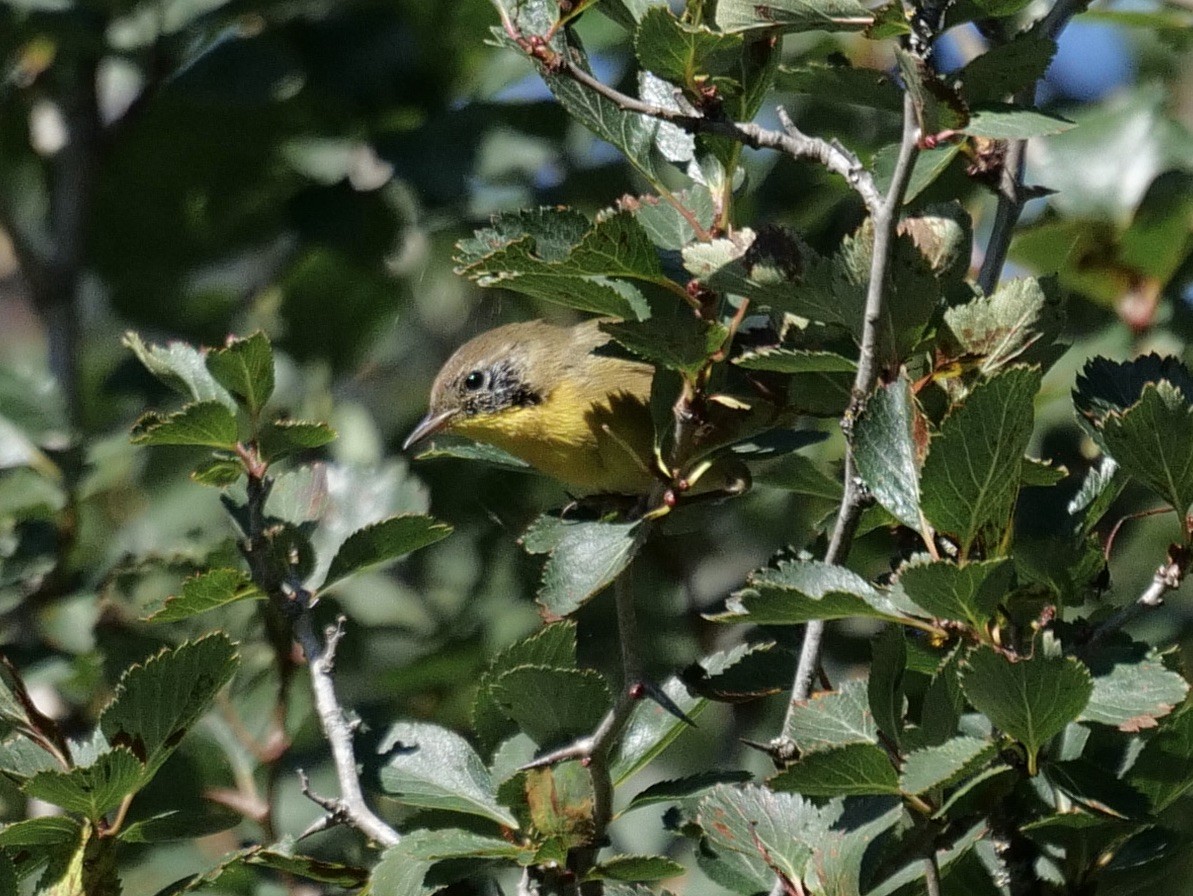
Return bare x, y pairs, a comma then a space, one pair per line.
428, 426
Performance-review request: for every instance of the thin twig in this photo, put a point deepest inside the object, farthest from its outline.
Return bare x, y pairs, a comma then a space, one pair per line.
932, 875
885, 223
832, 155
320, 653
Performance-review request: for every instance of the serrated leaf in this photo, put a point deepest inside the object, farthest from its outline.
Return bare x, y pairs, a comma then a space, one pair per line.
803, 590
971, 476
245, 368
181, 825
832, 719
889, 440
91, 790
1031, 699
476, 452
51, 830
775, 833
968, 593
1152, 441
680, 52
1091, 787
744, 672
792, 15
559, 256
683, 788
856, 86
181, 367
281, 438
553, 647
1020, 318
939, 108
944, 701
652, 728
944, 764
585, 557
1106, 386
666, 226
1007, 68
885, 687
206, 424
309, 867
1001, 121
633, 868
434, 768
552, 705
789, 360
382, 542
158, 701
207, 591
1163, 770
1132, 691
403, 867
681, 342
851, 770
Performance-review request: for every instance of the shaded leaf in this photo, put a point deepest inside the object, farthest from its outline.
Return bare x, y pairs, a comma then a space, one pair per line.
631, 868
680, 52
885, 685
91, 790
1031, 699
944, 764
552, 705
681, 342
788, 360
1001, 121
382, 542
968, 593
1007, 68
1132, 691
403, 867
158, 701
855, 85
683, 788
832, 719
207, 591
651, 729
850, 770
971, 475
181, 367
792, 15
741, 673
281, 438
585, 557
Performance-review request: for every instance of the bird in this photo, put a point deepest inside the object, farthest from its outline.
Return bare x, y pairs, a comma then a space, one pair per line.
545, 394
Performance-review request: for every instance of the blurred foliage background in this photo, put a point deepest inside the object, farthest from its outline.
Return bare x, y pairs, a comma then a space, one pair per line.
305, 168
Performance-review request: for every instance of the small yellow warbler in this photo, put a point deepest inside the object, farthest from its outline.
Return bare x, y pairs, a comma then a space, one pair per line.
538, 392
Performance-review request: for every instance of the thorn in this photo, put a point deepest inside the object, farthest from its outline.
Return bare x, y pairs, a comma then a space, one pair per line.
659, 696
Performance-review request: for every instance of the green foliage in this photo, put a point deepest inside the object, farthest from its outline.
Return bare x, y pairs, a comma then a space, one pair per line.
170, 654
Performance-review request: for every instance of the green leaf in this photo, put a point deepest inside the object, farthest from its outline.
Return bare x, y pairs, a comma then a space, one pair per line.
944, 702
680, 52
1105, 387
158, 701
663, 223
434, 768
680, 342
651, 729
52, 830
403, 867
792, 15
1131, 689
553, 647
683, 788
245, 368
929, 165
800, 475
968, 593
790, 360
851, 770
889, 439
744, 672
774, 833
382, 542
857, 86
558, 256
1151, 441
1031, 699
585, 557
944, 764
1001, 8
885, 687
182, 368
1099, 490
477, 453
281, 438
181, 825
1007, 68
207, 591
632, 868
207, 424
803, 590
1163, 770
832, 719
1094, 789
218, 472
93, 790
971, 475
1000, 121
552, 705
1022, 318
939, 108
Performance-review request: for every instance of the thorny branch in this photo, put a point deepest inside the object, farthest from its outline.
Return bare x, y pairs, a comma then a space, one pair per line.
1167, 578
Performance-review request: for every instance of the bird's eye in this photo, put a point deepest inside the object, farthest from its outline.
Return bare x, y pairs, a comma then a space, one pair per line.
474, 381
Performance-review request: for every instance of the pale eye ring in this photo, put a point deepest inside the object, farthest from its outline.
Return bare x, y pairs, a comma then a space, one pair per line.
474, 381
